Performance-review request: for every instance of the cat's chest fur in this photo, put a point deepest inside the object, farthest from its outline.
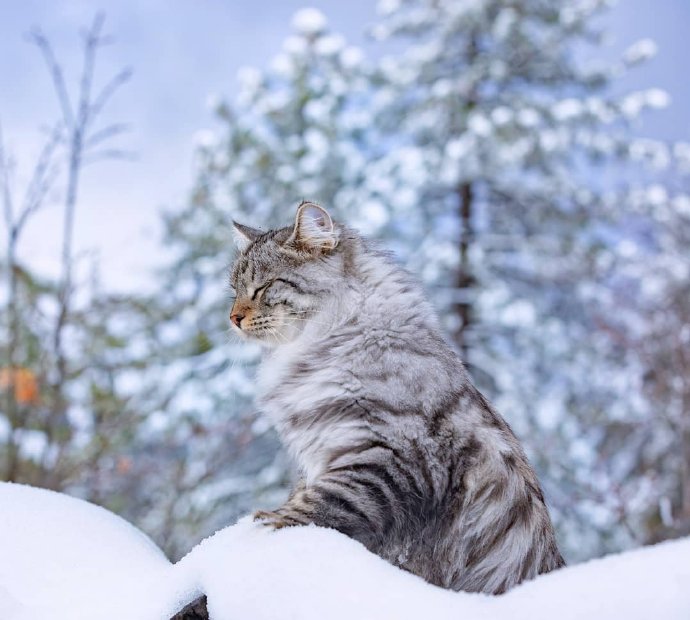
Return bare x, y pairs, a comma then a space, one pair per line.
294, 404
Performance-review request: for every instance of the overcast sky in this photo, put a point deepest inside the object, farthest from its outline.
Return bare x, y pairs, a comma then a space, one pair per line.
183, 51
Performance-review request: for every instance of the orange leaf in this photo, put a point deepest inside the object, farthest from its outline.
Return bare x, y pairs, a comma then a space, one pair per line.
24, 383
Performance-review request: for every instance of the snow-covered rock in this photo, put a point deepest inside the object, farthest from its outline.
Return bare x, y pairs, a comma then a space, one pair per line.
63, 557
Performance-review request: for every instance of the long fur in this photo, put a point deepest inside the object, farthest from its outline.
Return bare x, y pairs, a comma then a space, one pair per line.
396, 447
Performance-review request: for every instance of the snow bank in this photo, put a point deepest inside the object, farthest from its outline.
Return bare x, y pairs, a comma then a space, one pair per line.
64, 558
61, 557
11, 608
314, 573
248, 571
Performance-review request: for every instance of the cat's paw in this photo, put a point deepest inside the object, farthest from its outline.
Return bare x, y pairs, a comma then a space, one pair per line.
274, 520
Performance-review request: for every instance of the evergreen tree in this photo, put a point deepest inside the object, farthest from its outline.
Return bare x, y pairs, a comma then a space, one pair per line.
528, 159
498, 163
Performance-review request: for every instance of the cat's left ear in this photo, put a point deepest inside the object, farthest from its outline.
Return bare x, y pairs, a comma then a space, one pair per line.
314, 229
244, 235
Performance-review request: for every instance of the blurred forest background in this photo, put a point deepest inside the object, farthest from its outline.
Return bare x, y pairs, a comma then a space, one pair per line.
490, 145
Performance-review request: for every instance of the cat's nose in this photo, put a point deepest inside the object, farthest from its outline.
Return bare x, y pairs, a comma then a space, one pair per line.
236, 318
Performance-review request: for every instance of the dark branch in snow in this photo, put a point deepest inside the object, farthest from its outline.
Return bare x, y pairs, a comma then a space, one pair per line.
196, 610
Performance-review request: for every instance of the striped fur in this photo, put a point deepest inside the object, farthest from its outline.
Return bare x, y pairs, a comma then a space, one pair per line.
396, 447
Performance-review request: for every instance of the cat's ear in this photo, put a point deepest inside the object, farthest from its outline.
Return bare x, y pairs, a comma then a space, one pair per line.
244, 235
314, 229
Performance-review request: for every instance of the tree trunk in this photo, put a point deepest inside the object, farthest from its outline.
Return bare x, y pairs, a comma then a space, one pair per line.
465, 196
465, 279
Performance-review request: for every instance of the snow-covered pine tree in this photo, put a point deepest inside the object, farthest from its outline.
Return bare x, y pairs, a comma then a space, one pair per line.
495, 159
526, 148
648, 317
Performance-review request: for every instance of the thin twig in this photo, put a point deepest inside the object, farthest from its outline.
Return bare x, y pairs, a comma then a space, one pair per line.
109, 90
106, 133
42, 179
37, 37
8, 207
119, 154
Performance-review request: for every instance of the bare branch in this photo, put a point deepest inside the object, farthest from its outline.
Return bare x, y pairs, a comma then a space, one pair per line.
94, 32
109, 90
91, 44
37, 37
111, 154
67, 146
106, 133
8, 208
42, 179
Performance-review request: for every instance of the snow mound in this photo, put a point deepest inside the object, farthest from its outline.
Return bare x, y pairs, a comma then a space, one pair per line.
249, 571
314, 573
65, 558
11, 608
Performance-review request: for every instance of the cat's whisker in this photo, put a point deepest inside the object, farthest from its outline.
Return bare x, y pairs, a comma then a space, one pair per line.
274, 332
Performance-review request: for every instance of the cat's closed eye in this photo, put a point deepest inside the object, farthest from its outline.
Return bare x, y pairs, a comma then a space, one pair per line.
259, 290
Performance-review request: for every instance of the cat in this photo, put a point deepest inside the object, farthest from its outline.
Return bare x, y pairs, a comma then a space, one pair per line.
396, 447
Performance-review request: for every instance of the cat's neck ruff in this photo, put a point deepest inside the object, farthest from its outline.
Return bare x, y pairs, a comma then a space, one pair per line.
384, 295
275, 368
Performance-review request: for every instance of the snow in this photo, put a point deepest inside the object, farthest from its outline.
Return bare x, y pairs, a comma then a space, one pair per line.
66, 558
682, 205
309, 21
386, 7
295, 46
657, 194
634, 103
249, 77
567, 109
528, 117
640, 51
352, 57
205, 138
505, 21
10, 606
329, 45
502, 115
310, 573
658, 98
479, 124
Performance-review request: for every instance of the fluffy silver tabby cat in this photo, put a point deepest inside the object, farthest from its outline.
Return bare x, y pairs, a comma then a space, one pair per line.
396, 447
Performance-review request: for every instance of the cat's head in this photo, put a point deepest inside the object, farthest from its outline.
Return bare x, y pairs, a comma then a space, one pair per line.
282, 277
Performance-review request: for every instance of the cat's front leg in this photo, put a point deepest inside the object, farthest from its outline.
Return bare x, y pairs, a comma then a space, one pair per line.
284, 516
276, 520
347, 501
292, 512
